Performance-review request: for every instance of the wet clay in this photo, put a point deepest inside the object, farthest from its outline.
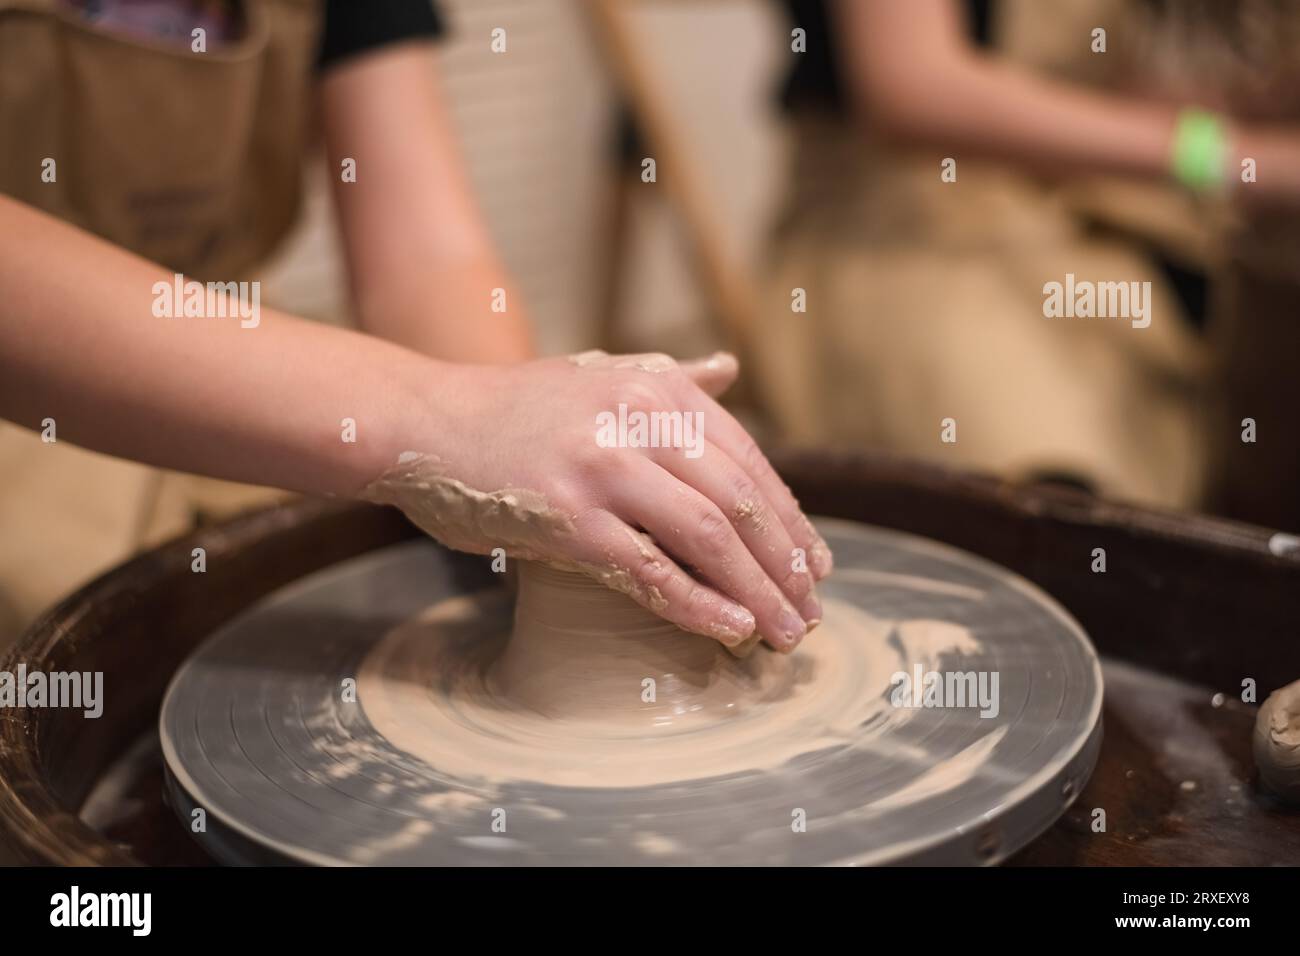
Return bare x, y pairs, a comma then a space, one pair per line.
586, 688
1277, 742
522, 522
650, 362
465, 518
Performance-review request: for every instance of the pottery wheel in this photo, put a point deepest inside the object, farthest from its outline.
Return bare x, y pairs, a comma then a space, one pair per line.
347, 719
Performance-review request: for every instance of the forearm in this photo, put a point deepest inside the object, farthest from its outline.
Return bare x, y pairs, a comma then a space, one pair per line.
915, 75
994, 110
445, 309
423, 266
80, 343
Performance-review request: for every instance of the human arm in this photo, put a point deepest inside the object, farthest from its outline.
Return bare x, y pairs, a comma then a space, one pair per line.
914, 74
423, 266
80, 343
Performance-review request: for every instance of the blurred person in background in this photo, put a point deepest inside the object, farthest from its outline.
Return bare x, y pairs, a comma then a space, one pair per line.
1112, 161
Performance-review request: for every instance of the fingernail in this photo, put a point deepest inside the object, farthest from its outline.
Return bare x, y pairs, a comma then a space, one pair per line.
792, 627
718, 359
822, 561
733, 625
811, 609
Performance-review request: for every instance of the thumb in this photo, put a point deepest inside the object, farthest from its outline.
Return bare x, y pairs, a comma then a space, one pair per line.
713, 374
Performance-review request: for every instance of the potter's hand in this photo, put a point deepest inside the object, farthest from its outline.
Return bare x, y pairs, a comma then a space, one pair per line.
623, 467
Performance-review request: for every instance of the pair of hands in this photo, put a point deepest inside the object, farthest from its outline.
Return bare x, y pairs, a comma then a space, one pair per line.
635, 517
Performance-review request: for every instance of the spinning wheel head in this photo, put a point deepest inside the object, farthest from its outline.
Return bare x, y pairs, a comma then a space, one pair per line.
946, 711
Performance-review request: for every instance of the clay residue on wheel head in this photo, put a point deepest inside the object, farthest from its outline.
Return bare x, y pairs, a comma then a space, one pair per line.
588, 689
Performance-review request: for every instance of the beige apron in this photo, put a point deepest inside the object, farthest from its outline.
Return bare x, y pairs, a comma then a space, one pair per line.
189, 159
925, 301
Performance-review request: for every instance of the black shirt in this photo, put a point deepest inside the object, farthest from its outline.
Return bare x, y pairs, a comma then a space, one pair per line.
355, 26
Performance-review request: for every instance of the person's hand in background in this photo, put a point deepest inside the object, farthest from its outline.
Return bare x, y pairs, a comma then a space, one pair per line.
1275, 151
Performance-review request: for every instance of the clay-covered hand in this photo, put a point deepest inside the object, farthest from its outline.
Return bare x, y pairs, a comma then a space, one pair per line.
623, 467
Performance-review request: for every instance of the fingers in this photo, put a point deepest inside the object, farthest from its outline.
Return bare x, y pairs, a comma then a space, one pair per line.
725, 513
619, 557
693, 529
714, 374
737, 495
729, 435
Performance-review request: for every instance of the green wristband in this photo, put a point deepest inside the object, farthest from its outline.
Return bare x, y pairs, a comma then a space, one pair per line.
1199, 155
